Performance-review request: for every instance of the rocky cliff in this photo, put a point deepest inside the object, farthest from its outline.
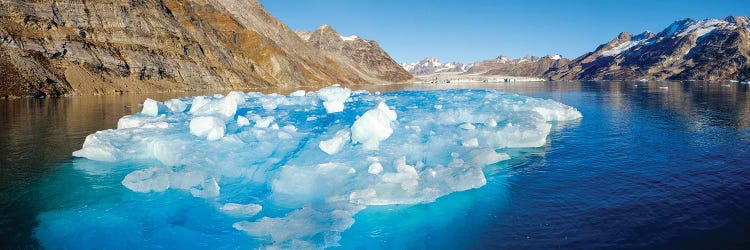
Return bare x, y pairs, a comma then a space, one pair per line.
689, 49
357, 55
97, 47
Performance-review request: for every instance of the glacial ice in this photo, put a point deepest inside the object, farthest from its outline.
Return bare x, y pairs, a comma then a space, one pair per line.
176, 105
210, 127
247, 210
333, 98
374, 126
151, 107
292, 171
335, 144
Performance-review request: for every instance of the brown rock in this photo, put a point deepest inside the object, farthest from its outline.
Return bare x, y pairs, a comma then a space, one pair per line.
98, 47
357, 55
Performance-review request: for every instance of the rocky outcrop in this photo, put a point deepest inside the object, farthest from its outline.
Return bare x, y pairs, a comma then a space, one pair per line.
365, 57
97, 47
689, 49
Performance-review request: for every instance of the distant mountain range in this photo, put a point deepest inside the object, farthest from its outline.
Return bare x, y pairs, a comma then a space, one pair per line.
432, 65
710, 49
529, 66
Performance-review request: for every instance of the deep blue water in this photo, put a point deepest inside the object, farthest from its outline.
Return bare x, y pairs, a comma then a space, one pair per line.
645, 168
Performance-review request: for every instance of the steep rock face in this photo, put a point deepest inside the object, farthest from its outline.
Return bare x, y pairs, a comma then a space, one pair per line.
357, 55
92, 47
689, 49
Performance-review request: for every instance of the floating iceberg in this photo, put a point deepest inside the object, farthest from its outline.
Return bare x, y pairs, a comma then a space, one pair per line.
292, 171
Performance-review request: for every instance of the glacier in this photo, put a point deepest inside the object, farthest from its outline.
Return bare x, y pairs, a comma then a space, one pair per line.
292, 171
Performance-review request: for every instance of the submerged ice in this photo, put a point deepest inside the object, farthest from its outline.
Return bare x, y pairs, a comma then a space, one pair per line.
316, 159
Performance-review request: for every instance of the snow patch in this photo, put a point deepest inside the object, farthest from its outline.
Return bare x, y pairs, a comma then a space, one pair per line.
349, 38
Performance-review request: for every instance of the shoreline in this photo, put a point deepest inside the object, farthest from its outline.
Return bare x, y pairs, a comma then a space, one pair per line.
281, 90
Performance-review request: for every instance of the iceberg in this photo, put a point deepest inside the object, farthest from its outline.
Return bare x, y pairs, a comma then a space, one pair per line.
293, 171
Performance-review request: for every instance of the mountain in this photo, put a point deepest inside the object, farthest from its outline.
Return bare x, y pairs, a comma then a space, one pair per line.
431, 65
96, 47
710, 49
357, 55
528, 66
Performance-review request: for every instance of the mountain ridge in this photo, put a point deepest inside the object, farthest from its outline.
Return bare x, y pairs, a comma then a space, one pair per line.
688, 49
528, 66
357, 54
67, 47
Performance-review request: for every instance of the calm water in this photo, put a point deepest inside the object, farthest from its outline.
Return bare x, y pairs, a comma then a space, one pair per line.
645, 167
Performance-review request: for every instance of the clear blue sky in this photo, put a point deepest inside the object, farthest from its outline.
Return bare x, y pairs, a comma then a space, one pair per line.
466, 31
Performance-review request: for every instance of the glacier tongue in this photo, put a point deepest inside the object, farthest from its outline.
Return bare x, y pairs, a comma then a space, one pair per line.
321, 162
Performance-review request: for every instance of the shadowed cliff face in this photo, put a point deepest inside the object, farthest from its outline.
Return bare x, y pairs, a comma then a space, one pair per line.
100, 47
689, 49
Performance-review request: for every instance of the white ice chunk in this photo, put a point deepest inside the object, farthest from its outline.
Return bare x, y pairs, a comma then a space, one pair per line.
470, 143
225, 108
375, 168
297, 93
373, 126
405, 174
491, 123
151, 107
242, 121
97, 149
333, 98
197, 103
245, 210
176, 105
334, 145
262, 122
558, 113
237, 96
210, 127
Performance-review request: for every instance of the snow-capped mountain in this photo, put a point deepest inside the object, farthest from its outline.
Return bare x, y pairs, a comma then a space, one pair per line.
432, 65
711, 49
529, 66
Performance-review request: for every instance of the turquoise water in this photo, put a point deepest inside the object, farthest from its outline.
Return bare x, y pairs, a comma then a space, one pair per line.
645, 167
